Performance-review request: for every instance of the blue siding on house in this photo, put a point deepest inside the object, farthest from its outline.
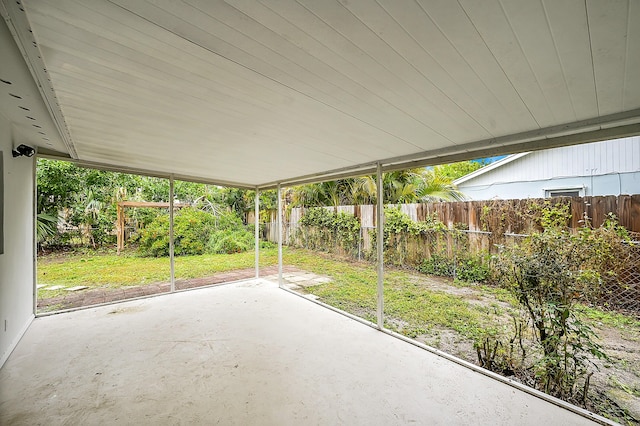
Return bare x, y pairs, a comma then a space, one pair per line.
600, 168
615, 184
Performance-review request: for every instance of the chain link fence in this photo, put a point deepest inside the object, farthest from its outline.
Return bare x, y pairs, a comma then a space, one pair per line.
622, 292
458, 253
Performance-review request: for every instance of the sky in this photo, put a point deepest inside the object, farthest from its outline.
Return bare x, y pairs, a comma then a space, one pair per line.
489, 159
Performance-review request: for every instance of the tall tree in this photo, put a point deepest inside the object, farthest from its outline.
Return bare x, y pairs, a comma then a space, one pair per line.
454, 171
399, 186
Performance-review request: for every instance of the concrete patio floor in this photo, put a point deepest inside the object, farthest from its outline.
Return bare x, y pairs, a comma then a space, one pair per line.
243, 354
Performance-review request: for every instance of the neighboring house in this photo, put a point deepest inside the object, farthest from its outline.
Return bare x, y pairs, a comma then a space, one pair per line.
599, 168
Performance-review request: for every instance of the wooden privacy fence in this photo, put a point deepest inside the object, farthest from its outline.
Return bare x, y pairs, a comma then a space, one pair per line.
474, 228
510, 216
498, 217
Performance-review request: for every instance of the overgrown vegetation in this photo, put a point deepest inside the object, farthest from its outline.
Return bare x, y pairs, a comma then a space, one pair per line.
196, 232
325, 230
551, 273
77, 206
400, 186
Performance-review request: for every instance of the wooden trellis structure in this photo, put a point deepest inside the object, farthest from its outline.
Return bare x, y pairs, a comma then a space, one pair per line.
120, 221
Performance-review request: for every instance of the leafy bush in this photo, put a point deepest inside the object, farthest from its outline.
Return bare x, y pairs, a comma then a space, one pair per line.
196, 232
322, 229
191, 230
437, 265
472, 269
230, 236
154, 238
550, 273
469, 268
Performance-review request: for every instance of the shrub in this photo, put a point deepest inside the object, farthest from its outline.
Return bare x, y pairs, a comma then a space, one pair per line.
437, 265
230, 241
469, 268
322, 229
230, 236
472, 269
154, 238
195, 232
550, 273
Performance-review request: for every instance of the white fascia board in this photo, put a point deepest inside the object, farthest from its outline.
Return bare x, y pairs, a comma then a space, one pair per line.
489, 167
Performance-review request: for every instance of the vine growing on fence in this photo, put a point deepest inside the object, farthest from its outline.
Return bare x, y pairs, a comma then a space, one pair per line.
430, 247
325, 230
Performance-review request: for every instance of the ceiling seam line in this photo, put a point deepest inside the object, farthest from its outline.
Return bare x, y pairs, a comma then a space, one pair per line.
383, 67
222, 93
277, 82
499, 64
409, 115
555, 48
593, 62
526, 58
624, 78
470, 67
478, 104
340, 87
436, 86
426, 99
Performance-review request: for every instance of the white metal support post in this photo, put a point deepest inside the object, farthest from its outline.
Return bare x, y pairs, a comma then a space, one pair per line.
279, 226
171, 259
256, 223
34, 177
380, 246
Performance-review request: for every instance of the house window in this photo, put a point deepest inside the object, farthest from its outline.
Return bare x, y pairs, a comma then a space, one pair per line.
564, 192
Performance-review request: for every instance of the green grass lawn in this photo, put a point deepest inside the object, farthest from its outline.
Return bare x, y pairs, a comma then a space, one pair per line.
94, 269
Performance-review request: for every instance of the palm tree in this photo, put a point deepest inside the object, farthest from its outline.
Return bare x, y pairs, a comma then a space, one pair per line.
436, 187
399, 186
310, 195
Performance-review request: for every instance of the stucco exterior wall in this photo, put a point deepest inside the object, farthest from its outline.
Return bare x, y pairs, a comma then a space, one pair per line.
17, 262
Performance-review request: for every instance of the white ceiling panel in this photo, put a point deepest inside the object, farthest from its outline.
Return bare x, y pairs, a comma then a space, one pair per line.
257, 92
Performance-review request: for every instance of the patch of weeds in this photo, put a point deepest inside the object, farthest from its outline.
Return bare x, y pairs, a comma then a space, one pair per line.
607, 407
52, 308
630, 390
611, 319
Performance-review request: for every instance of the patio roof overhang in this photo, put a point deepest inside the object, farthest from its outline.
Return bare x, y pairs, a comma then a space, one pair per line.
251, 94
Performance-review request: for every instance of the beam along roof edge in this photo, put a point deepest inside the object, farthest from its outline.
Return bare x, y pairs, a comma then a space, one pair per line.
20, 28
146, 172
467, 152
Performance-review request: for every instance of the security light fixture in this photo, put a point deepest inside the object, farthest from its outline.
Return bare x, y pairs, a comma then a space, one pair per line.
23, 150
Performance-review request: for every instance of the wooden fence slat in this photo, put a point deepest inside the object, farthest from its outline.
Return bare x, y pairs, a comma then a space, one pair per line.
470, 213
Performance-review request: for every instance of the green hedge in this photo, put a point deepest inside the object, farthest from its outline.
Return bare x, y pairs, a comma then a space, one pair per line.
196, 232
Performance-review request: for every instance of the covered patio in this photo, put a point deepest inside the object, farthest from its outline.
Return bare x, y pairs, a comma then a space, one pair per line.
246, 353
263, 95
